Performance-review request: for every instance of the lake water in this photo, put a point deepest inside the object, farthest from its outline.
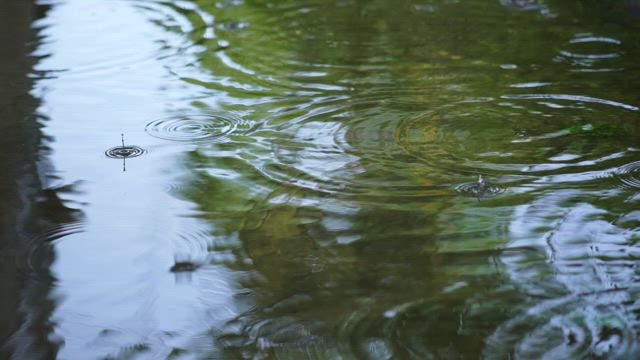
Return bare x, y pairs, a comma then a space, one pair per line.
347, 179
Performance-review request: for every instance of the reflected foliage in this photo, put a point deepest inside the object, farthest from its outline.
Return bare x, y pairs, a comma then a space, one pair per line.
33, 213
339, 213
327, 152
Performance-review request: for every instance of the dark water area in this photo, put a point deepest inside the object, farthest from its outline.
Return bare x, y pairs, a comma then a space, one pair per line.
350, 179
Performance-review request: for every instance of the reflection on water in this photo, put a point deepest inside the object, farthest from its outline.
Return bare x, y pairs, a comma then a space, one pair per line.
36, 209
480, 189
197, 127
341, 179
588, 292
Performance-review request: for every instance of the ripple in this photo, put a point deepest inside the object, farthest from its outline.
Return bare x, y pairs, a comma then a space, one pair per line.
40, 245
358, 157
268, 336
582, 288
530, 85
590, 49
124, 152
528, 5
189, 23
466, 137
589, 56
578, 98
268, 30
325, 146
589, 39
629, 175
480, 190
522, 4
198, 127
575, 327
511, 141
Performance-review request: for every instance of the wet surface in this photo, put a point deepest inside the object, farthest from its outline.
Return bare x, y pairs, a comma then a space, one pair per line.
322, 179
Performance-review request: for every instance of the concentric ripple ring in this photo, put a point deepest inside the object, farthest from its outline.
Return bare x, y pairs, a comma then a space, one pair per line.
477, 190
629, 175
122, 152
196, 127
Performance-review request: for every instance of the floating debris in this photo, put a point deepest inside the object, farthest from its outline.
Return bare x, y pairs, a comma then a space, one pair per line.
184, 266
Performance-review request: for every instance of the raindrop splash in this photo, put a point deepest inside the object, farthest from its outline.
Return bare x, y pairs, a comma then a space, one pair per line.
629, 175
124, 151
480, 189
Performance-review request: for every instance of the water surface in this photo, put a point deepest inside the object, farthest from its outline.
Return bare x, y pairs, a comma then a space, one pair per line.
305, 182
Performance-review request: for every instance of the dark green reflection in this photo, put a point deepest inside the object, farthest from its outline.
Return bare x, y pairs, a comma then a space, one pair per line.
32, 212
339, 209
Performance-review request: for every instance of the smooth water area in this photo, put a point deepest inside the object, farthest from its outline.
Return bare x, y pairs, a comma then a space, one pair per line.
314, 179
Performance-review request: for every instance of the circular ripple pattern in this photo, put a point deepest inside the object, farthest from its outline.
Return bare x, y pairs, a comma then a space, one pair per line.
467, 137
521, 135
122, 152
587, 51
629, 175
197, 127
480, 190
580, 327
347, 158
189, 23
39, 248
591, 40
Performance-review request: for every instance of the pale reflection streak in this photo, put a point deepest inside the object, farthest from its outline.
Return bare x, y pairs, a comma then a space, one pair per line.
587, 288
577, 98
117, 295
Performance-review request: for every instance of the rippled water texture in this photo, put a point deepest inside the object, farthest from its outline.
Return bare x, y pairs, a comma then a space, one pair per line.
325, 180
121, 152
196, 127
